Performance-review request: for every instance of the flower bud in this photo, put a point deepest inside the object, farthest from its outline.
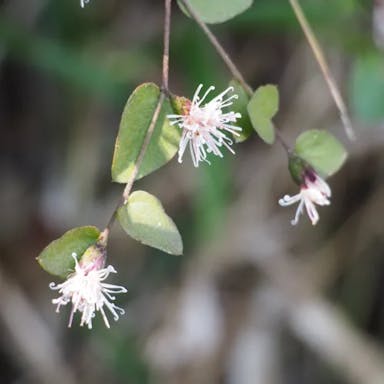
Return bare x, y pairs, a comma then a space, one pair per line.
297, 168
181, 105
94, 257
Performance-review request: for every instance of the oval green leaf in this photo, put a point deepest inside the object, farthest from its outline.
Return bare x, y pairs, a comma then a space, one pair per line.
321, 150
135, 121
262, 107
57, 258
240, 105
217, 11
143, 218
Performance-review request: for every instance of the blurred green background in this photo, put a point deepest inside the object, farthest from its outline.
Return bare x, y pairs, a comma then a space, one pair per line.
253, 300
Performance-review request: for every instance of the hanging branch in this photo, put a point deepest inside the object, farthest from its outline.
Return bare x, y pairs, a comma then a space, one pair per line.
229, 63
152, 125
219, 48
324, 67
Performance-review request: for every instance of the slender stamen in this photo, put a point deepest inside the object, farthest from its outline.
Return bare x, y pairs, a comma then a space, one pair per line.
211, 88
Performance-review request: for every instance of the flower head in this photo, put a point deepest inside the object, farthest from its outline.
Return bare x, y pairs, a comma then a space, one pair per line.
205, 126
84, 288
313, 190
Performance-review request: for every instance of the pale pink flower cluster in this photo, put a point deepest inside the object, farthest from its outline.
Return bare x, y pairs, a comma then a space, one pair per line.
85, 289
206, 126
313, 190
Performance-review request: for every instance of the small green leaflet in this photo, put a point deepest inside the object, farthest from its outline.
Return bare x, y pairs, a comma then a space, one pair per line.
134, 124
56, 258
217, 11
321, 150
143, 218
262, 107
240, 105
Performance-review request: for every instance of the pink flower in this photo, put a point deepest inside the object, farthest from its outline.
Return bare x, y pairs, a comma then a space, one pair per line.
205, 127
84, 288
313, 190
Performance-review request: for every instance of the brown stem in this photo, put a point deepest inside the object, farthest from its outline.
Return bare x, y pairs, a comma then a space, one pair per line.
167, 30
281, 140
147, 139
152, 125
324, 67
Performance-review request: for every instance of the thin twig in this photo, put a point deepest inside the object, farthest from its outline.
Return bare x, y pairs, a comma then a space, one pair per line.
219, 48
281, 140
147, 139
167, 30
320, 58
230, 64
164, 91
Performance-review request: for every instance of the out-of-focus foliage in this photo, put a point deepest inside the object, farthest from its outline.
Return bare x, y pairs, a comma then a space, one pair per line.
367, 88
65, 76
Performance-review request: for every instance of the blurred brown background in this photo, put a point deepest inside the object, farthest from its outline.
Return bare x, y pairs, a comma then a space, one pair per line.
253, 300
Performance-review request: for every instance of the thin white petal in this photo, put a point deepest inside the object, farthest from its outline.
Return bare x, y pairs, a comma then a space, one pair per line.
299, 211
289, 200
312, 212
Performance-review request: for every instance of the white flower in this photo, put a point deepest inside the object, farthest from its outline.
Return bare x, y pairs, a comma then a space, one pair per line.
313, 190
205, 126
83, 2
85, 289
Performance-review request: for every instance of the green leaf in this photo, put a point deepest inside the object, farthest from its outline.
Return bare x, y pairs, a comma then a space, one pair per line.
57, 258
143, 218
367, 88
134, 125
217, 11
240, 105
262, 107
321, 150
